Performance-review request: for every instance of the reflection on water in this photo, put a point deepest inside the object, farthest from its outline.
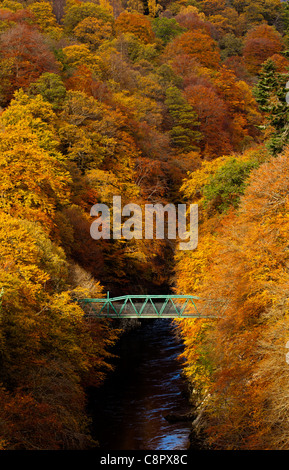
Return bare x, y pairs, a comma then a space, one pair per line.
129, 410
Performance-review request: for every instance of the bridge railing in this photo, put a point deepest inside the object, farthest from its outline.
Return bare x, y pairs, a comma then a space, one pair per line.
151, 306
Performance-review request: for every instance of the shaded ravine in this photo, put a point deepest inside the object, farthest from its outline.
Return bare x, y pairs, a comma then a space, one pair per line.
128, 411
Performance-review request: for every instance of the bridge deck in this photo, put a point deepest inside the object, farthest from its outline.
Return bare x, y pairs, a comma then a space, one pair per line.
151, 306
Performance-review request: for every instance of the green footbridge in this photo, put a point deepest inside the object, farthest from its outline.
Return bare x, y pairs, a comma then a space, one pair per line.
152, 306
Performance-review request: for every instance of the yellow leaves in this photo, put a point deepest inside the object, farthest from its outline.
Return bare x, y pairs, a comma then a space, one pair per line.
105, 4
71, 337
154, 8
93, 31
33, 178
85, 149
149, 86
11, 5
141, 107
192, 267
32, 273
37, 115
31, 181
221, 24
44, 17
245, 262
63, 304
80, 54
79, 107
191, 9
96, 134
193, 185
106, 184
29, 260
196, 355
36, 112
19, 257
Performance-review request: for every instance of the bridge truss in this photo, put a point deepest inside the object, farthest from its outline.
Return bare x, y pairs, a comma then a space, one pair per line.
152, 306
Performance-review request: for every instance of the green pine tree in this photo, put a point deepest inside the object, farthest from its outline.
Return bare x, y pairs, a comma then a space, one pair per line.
184, 134
270, 93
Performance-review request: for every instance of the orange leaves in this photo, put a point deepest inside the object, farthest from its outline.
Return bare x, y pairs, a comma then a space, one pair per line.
136, 24
196, 354
249, 268
196, 44
151, 176
27, 424
46, 347
281, 63
268, 194
261, 43
192, 269
190, 18
29, 54
212, 113
241, 105
114, 131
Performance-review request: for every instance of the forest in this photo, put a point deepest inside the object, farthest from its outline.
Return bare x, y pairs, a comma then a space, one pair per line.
160, 102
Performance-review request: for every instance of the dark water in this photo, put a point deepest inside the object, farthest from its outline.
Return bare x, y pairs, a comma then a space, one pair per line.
128, 411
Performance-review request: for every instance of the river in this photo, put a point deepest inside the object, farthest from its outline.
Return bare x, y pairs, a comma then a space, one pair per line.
128, 411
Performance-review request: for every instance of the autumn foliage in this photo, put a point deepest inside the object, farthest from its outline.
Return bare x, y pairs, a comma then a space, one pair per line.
247, 378
261, 43
156, 102
26, 55
136, 24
